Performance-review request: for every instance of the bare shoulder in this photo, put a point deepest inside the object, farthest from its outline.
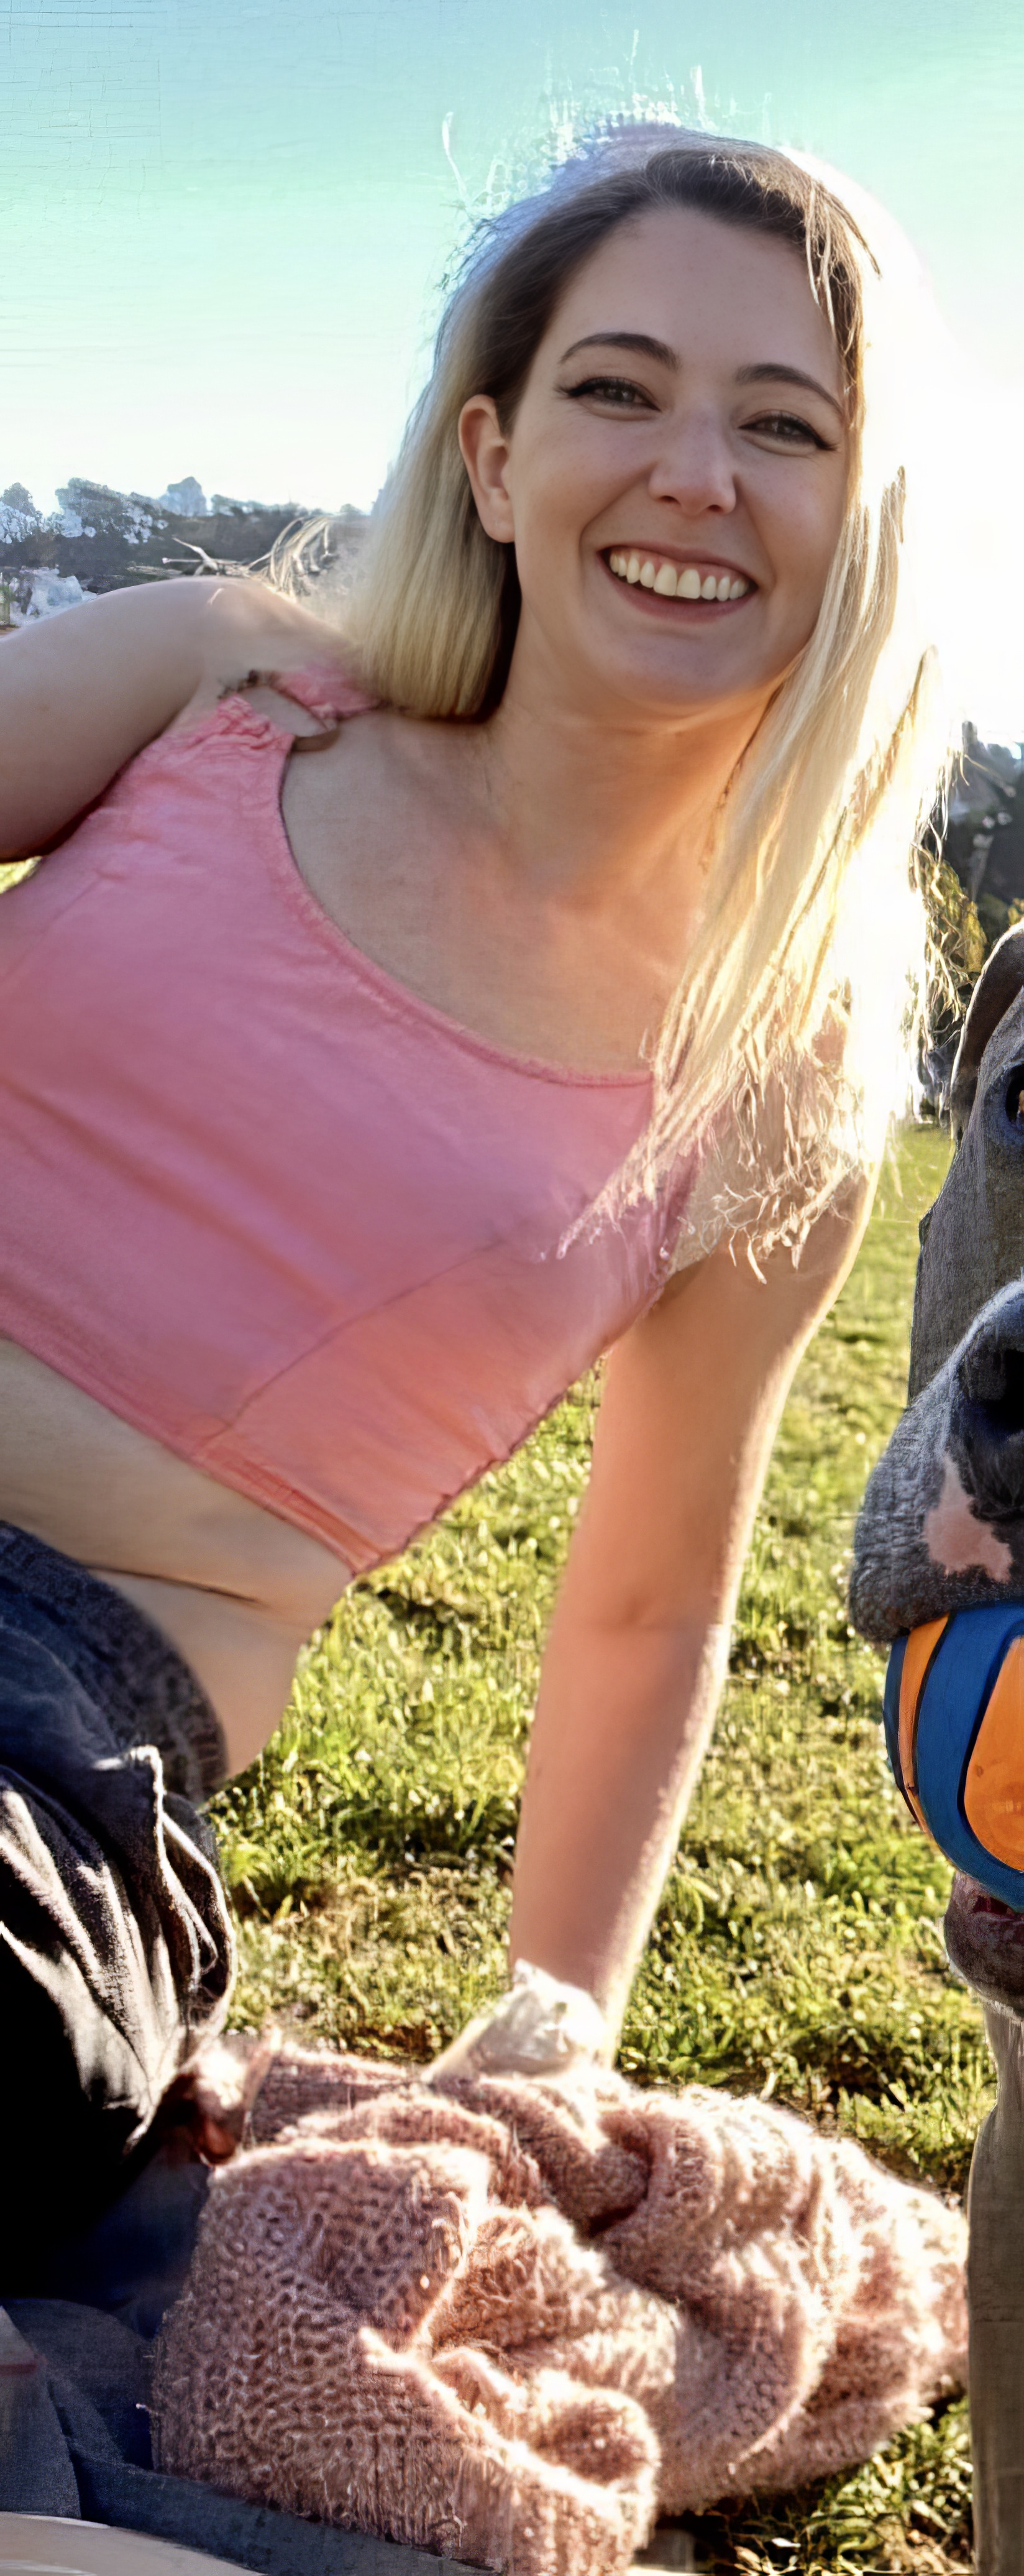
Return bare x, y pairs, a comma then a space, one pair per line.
82, 693
247, 627
772, 1301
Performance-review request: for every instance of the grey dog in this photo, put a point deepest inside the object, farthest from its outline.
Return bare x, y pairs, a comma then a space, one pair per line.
942, 1529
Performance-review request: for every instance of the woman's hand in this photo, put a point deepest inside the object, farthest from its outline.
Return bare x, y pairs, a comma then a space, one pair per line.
639, 1640
81, 693
538, 2028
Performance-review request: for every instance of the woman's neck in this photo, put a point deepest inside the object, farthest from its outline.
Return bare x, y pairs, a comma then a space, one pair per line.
595, 804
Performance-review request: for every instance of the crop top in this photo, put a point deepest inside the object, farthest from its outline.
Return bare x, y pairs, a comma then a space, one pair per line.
260, 1200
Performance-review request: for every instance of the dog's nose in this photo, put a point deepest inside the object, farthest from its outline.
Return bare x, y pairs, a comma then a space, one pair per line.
987, 1423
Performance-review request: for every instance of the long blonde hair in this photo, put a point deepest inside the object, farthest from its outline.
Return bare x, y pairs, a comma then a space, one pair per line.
780, 1047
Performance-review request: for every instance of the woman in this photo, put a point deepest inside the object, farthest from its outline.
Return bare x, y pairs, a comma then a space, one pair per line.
353, 1102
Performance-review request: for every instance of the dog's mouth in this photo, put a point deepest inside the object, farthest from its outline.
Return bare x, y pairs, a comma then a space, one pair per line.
985, 1942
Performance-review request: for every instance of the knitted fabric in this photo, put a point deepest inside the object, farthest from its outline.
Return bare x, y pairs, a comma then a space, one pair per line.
509, 2328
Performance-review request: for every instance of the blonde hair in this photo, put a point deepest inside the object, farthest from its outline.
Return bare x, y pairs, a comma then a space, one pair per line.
780, 1048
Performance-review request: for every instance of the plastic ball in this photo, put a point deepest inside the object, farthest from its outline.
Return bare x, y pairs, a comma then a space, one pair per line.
954, 1727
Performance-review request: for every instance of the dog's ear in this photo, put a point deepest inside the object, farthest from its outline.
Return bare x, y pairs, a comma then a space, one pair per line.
998, 986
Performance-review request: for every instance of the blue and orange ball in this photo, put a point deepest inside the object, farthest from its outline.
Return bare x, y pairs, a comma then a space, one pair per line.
954, 1727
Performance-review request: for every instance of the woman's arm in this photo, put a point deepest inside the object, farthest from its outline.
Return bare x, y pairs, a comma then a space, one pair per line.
639, 1640
81, 693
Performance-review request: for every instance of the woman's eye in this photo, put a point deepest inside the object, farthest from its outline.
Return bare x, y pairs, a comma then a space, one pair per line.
615, 390
787, 429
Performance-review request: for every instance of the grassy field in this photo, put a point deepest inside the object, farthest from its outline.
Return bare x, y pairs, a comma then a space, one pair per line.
798, 1947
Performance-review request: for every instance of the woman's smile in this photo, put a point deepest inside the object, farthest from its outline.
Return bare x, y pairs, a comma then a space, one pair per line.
696, 582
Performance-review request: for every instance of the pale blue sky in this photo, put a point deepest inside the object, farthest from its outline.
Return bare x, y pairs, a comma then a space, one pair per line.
225, 222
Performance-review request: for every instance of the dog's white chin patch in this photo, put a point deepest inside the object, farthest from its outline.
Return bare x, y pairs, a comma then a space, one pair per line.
956, 1539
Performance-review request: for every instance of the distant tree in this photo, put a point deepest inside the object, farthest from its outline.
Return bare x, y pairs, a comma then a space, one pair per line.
958, 946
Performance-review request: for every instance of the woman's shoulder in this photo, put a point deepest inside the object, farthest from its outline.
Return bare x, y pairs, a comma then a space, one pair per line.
327, 686
787, 1146
267, 658
256, 637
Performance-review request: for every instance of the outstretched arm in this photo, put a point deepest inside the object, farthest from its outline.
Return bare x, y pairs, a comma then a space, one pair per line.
640, 1634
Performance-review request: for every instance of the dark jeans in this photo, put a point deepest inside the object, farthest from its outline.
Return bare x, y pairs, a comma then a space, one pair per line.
116, 1951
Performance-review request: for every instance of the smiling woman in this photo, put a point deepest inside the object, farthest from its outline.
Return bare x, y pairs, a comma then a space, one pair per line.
756, 414
403, 1017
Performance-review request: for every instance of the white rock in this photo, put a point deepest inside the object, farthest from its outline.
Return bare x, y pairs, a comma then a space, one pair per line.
186, 500
54, 591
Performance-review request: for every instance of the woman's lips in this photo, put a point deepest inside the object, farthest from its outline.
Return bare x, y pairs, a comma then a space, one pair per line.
660, 583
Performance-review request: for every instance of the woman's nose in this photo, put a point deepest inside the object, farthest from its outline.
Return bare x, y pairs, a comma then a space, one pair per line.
695, 467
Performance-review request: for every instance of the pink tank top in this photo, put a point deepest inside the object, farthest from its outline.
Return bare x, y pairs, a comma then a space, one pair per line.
260, 1200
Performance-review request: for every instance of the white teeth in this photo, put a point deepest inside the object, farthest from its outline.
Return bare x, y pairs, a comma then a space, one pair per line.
671, 583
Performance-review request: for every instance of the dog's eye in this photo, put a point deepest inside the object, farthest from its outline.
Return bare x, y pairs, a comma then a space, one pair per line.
1015, 1098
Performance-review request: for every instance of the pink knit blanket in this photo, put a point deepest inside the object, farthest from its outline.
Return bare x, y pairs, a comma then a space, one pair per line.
512, 2328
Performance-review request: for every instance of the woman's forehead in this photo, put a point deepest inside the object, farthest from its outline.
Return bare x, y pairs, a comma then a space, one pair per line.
685, 277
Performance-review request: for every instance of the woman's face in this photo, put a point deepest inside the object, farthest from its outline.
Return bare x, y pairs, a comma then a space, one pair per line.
675, 478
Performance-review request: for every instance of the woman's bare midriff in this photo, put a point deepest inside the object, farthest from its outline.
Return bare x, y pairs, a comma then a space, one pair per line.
234, 1588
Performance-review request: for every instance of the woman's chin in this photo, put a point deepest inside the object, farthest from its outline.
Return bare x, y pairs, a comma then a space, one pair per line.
673, 676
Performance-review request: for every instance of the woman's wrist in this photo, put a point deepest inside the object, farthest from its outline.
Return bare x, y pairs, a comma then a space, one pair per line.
540, 2027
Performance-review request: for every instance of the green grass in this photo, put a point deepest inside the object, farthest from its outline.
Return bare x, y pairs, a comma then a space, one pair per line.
798, 1946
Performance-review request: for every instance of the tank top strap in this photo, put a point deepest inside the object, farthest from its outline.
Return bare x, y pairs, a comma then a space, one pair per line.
323, 690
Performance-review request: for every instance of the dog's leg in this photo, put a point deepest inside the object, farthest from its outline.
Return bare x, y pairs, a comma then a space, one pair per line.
995, 2283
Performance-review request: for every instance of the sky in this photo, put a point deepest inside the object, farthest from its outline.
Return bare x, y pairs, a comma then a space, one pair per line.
226, 223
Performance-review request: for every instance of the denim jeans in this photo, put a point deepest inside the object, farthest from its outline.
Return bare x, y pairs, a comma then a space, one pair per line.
116, 1952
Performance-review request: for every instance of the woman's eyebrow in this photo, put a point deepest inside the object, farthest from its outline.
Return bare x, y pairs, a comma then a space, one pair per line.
639, 342
773, 372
